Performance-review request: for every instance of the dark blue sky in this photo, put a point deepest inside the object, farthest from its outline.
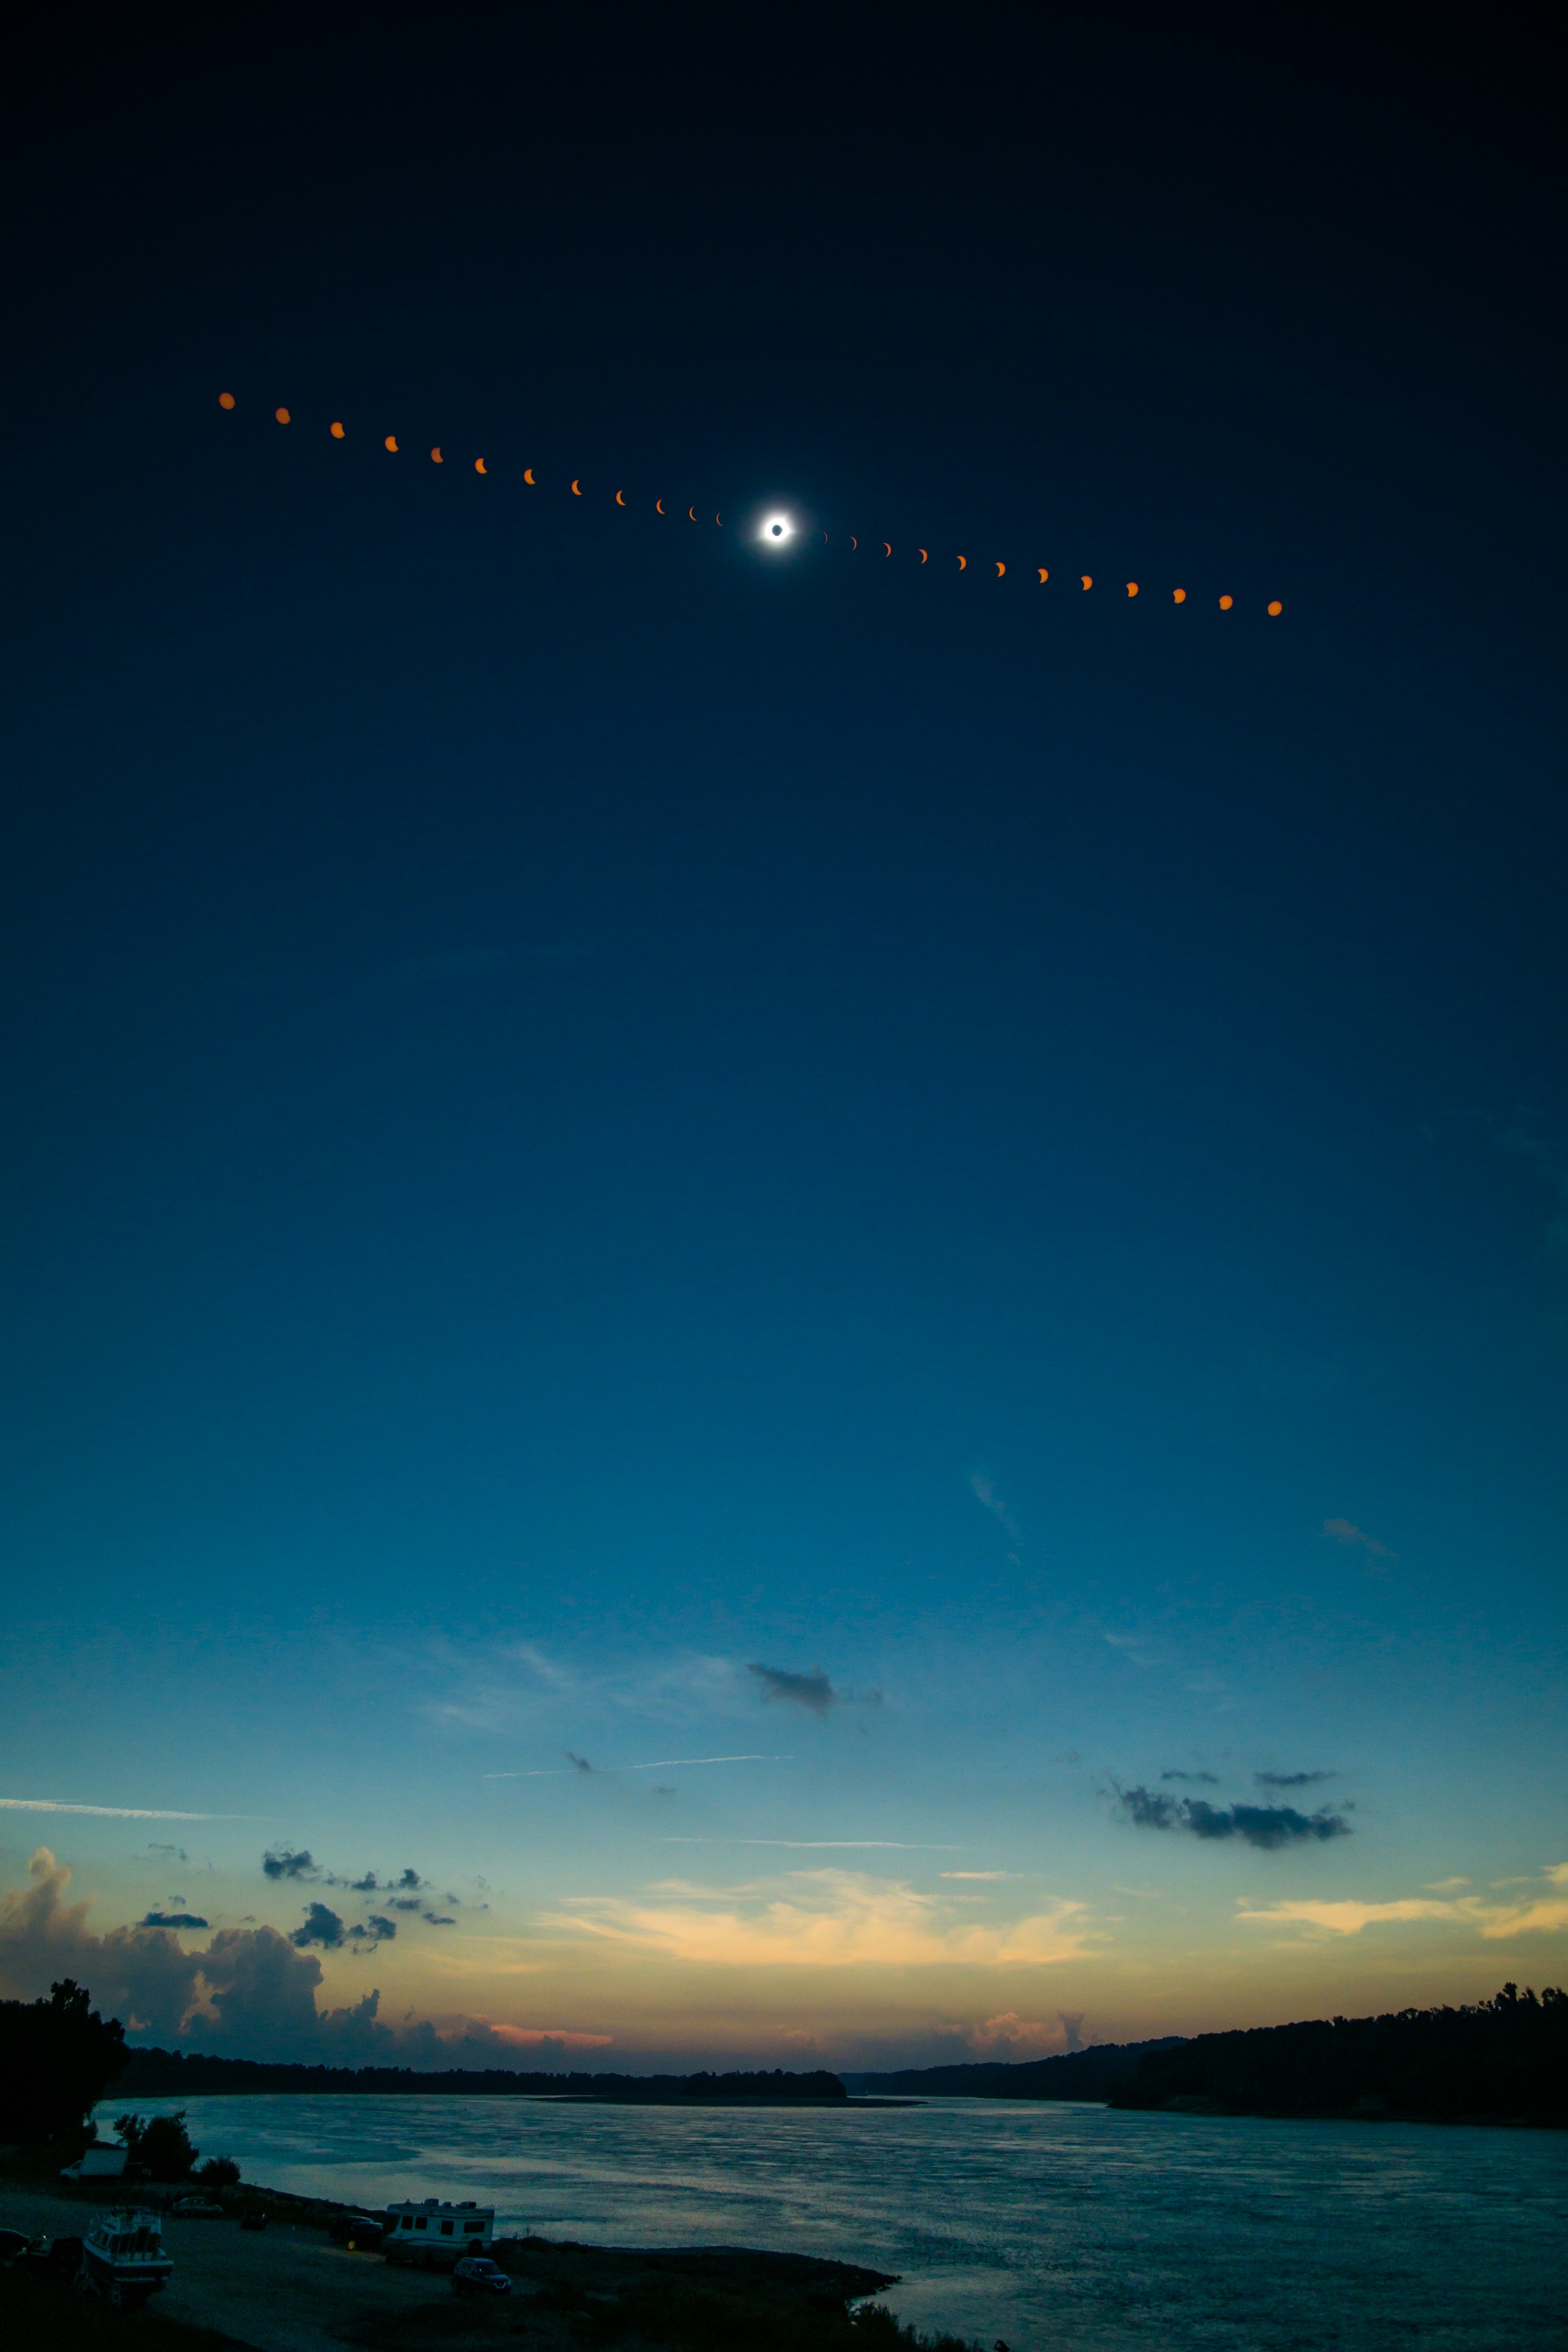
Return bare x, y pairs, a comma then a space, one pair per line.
589, 1105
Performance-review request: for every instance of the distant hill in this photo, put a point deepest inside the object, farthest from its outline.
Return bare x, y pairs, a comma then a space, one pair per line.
1078, 2074
1500, 2060
170, 2073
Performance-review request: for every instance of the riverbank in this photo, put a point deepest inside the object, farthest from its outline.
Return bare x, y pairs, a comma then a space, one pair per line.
289, 2288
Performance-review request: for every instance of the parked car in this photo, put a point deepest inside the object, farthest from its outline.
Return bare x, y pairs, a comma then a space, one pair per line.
360, 2233
58, 2259
254, 2217
477, 2274
198, 2209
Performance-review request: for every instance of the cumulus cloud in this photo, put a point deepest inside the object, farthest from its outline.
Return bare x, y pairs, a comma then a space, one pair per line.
823, 1919
278, 1862
410, 1882
1012, 2036
407, 1903
1292, 1780
812, 1691
549, 2037
373, 1930
172, 1919
1341, 1531
1537, 1913
321, 1927
1268, 1827
1212, 1778
437, 1919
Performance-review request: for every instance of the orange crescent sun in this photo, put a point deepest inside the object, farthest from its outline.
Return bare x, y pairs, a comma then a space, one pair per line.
1045, 575
923, 557
577, 492
854, 543
886, 549
478, 464
1087, 581
619, 500
1000, 568
963, 562
437, 458
692, 512
391, 443
527, 478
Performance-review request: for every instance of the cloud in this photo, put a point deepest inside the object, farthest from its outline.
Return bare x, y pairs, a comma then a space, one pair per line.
812, 1691
1264, 1826
1535, 1914
979, 1873
373, 1930
278, 1862
1212, 1778
410, 1881
251, 1992
659, 1764
985, 1490
407, 1903
172, 1919
1292, 1780
365, 1885
321, 1927
107, 1812
1343, 1532
171, 1853
532, 2037
1012, 2036
822, 1918
436, 1919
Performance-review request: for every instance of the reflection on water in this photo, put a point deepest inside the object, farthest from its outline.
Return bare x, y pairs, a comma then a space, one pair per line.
1062, 2229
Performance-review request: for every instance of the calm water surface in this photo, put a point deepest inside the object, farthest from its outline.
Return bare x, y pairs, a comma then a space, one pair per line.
1060, 2229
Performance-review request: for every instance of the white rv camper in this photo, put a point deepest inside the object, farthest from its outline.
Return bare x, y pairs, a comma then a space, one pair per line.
432, 2236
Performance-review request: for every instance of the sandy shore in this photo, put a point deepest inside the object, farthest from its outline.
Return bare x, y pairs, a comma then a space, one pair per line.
290, 2289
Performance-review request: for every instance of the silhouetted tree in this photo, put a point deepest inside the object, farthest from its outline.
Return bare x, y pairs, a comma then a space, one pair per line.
160, 2145
58, 2058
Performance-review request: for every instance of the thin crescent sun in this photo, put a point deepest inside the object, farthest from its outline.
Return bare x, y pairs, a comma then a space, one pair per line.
1087, 581
719, 521
437, 458
1000, 568
963, 562
692, 512
923, 557
478, 464
577, 491
886, 549
1045, 575
854, 543
527, 478
660, 504
619, 500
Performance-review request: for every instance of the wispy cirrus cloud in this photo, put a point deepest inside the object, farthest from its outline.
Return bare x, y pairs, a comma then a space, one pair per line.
812, 1691
984, 1488
1344, 1531
822, 1918
662, 1764
109, 1812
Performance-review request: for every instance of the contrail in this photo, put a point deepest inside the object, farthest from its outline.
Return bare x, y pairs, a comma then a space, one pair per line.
113, 1813
665, 1764
895, 1846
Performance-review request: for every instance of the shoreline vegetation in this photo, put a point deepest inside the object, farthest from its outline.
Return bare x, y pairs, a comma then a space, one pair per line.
172, 2073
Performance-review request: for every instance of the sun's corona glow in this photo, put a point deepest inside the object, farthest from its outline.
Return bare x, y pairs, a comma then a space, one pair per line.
777, 529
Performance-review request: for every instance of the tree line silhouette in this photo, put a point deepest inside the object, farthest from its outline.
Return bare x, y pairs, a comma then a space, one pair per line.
1498, 2061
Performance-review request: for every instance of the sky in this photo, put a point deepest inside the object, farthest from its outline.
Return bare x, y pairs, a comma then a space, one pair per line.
766, 1305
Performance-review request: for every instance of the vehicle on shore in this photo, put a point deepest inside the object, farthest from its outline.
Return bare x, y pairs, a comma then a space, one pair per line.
198, 2209
432, 2236
477, 2274
361, 2234
123, 2258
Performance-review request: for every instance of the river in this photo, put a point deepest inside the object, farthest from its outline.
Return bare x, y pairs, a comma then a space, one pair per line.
1055, 2228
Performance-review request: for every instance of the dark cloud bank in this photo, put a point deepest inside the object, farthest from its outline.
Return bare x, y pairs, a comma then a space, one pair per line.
1268, 1826
248, 1992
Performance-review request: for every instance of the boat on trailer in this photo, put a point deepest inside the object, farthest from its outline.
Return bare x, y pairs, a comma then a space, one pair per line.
123, 2258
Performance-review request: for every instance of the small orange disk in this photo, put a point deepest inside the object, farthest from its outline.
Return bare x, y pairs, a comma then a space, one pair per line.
1276, 609
1226, 603
1178, 595
282, 415
1132, 587
337, 432
226, 400
392, 443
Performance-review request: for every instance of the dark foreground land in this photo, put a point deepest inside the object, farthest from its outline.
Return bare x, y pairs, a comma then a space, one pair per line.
292, 2289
